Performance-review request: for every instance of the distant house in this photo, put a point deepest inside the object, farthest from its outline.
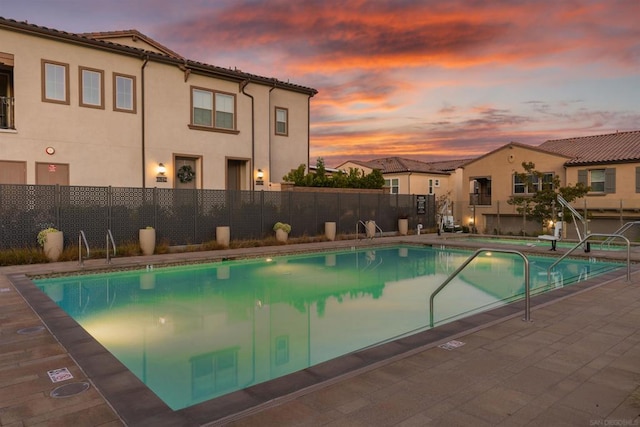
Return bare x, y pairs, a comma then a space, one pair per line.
120, 109
608, 164
407, 176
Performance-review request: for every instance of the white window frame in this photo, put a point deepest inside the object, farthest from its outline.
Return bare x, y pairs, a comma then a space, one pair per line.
393, 184
55, 82
91, 87
537, 183
282, 121
124, 97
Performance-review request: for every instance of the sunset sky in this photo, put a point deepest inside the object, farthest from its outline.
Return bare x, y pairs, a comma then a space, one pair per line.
429, 80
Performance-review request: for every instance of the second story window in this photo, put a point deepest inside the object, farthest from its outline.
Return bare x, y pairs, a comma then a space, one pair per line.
225, 111
124, 93
282, 122
55, 85
210, 110
532, 184
91, 88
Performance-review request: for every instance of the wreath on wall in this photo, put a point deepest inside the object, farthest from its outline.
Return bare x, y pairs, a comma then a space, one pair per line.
186, 174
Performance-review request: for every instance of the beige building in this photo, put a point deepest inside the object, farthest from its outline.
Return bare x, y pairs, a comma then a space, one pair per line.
608, 164
119, 109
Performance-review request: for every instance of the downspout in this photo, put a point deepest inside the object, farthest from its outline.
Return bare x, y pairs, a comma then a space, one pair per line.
243, 85
271, 120
142, 115
308, 131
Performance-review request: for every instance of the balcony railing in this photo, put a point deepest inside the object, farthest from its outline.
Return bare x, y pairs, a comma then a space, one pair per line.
482, 199
6, 112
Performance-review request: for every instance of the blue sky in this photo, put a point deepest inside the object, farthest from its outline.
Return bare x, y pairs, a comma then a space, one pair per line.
430, 80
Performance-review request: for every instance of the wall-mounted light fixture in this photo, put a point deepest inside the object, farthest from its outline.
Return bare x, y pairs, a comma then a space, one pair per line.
162, 169
259, 177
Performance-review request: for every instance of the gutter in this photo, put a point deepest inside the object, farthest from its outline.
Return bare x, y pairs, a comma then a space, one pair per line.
243, 86
142, 114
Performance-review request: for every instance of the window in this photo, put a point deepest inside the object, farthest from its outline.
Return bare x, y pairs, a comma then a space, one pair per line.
202, 108
392, 183
436, 183
282, 122
212, 110
225, 111
124, 91
91, 88
430, 186
598, 180
55, 84
534, 182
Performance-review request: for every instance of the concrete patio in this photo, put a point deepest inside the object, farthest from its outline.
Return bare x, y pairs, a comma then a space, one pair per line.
576, 363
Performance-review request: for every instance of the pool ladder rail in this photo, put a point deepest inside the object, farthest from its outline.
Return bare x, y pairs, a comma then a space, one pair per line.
364, 224
82, 238
527, 290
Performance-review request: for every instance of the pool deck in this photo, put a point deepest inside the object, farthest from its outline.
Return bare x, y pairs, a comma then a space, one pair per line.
576, 363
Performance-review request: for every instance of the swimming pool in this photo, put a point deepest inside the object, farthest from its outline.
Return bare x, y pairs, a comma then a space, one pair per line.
193, 333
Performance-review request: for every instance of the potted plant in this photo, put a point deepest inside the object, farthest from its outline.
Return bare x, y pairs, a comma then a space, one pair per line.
282, 231
52, 241
147, 240
403, 224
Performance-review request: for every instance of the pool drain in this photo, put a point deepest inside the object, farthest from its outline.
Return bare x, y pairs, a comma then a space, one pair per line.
69, 390
31, 330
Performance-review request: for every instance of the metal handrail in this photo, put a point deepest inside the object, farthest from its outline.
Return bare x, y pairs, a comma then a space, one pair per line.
582, 242
527, 293
620, 230
365, 228
113, 245
82, 238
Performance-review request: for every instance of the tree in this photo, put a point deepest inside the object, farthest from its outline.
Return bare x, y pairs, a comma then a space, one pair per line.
355, 178
538, 200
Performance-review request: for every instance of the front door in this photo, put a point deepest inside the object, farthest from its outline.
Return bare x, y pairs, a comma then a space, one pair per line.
13, 172
236, 174
187, 174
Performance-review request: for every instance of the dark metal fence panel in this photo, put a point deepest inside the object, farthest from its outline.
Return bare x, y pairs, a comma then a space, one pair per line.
190, 216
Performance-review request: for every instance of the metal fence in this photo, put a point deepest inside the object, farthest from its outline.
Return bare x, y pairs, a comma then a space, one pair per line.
191, 216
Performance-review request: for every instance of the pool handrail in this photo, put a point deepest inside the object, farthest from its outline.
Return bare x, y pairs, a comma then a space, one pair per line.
82, 239
113, 245
583, 241
620, 230
364, 224
527, 293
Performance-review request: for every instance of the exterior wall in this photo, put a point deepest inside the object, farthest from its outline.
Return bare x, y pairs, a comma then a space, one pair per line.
627, 188
104, 147
499, 166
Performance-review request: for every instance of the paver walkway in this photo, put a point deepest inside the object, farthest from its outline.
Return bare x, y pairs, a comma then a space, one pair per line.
577, 363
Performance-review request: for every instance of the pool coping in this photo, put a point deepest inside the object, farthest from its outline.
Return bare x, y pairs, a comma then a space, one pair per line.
120, 387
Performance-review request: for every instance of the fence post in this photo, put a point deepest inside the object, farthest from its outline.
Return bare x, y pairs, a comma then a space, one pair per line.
57, 202
262, 213
155, 207
109, 209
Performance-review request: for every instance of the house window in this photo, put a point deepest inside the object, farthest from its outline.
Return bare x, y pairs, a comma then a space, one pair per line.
225, 111
55, 85
212, 110
91, 88
282, 122
430, 186
393, 185
202, 108
124, 93
532, 184
598, 180
436, 183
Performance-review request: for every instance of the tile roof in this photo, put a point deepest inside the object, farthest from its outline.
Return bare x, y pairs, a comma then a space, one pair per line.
101, 41
619, 147
400, 165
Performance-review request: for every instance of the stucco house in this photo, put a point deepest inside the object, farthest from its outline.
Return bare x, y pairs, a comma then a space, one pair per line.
609, 164
408, 176
120, 109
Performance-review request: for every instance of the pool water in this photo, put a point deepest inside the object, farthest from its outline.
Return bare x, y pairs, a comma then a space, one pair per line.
193, 333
